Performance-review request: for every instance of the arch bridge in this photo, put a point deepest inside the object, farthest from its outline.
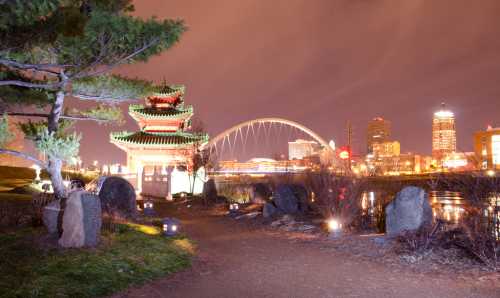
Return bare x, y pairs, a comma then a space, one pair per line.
269, 132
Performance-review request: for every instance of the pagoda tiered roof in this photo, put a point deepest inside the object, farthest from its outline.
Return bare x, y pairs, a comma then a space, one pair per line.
158, 139
166, 96
160, 113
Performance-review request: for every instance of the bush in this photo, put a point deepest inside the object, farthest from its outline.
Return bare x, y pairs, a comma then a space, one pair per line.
336, 196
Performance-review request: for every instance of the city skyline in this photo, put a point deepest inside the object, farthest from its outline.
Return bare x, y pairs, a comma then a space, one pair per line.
315, 70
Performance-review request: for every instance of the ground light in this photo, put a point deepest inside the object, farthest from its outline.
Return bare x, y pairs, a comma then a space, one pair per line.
171, 227
334, 228
148, 208
234, 208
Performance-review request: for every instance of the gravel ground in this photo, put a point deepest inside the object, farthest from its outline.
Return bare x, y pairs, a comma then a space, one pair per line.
239, 259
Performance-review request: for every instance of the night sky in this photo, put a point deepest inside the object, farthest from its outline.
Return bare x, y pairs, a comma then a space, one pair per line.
324, 62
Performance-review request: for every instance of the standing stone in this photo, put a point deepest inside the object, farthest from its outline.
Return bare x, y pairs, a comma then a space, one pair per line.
260, 193
118, 198
72, 224
409, 211
82, 220
269, 210
50, 216
301, 194
92, 218
209, 190
285, 199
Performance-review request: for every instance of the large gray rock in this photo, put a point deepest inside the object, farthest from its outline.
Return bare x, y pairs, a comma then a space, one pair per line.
409, 211
269, 210
118, 198
210, 190
285, 199
50, 215
73, 234
81, 221
92, 218
302, 195
260, 193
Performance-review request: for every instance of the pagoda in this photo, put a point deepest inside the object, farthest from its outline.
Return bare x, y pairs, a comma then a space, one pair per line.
163, 144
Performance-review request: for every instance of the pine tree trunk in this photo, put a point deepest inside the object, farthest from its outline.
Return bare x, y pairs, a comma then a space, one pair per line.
54, 169
54, 164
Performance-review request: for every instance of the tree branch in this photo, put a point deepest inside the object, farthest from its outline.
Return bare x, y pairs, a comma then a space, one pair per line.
38, 67
69, 117
23, 155
30, 85
99, 98
120, 61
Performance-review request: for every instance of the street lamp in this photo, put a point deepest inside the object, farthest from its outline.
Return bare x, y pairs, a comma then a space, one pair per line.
334, 227
171, 227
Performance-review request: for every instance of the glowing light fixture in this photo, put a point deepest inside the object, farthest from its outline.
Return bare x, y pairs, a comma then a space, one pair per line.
148, 208
38, 170
234, 208
334, 227
171, 227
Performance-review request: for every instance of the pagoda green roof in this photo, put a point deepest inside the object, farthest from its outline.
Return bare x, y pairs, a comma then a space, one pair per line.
161, 113
165, 90
159, 139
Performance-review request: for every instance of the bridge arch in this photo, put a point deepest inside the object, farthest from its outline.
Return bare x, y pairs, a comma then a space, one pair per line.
213, 141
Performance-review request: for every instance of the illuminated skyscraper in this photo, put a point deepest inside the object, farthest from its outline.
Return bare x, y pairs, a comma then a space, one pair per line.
379, 131
444, 137
487, 148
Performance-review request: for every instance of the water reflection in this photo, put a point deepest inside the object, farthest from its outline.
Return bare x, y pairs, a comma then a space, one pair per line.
448, 206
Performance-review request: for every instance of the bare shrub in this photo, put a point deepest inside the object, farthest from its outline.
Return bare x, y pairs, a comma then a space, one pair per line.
336, 196
478, 231
419, 240
38, 202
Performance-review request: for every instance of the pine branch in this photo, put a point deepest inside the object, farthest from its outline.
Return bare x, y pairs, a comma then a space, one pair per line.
99, 98
23, 155
48, 68
30, 85
119, 62
68, 117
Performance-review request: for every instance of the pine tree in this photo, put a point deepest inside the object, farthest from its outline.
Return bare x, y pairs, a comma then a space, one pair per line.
52, 49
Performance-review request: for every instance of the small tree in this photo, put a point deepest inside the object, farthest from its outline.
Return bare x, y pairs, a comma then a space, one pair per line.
51, 49
202, 157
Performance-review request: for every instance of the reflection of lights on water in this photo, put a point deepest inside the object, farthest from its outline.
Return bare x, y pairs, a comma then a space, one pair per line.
334, 225
490, 173
372, 198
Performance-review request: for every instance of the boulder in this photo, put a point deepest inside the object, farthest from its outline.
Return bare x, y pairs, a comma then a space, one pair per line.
50, 215
260, 193
118, 198
92, 218
409, 211
209, 190
73, 234
81, 221
269, 210
302, 195
285, 200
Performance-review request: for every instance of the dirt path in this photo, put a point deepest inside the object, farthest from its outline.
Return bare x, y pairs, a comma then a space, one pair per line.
239, 261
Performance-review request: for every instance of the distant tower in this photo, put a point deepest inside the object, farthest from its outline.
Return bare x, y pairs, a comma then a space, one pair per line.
444, 138
379, 131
